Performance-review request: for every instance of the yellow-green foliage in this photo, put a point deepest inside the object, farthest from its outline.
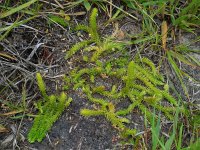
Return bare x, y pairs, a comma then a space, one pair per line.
49, 111
108, 111
101, 45
143, 86
41, 85
130, 77
77, 47
93, 26
138, 81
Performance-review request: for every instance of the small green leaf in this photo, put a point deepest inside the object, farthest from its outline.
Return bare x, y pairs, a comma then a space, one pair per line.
87, 5
56, 19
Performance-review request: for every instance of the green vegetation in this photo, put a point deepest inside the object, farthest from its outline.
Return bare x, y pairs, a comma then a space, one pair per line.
142, 85
166, 11
50, 109
12, 10
102, 46
140, 88
107, 70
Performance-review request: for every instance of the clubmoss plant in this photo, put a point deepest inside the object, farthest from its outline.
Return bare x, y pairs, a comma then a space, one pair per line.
109, 112
143, 86
101, 46
173, 15
50, 110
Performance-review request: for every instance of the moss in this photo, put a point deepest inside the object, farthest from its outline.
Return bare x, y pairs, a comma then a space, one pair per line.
142, 85
50, 111
138, 82
106, 45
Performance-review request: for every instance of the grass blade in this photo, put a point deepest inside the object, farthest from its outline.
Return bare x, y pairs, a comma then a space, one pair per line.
155, 132
14, 10
14, 25
184, 59
177, 71
180, 138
